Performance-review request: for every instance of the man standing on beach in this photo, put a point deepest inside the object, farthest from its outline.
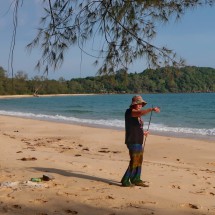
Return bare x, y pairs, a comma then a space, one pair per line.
134, 136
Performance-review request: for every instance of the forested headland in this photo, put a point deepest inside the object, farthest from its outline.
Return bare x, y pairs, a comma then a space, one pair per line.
163, 80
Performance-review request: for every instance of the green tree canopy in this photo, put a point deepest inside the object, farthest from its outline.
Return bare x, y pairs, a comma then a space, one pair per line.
161, 80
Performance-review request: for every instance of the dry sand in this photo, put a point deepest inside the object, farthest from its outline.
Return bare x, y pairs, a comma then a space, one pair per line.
87, 165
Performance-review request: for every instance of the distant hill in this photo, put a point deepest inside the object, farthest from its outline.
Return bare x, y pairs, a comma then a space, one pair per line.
162, 80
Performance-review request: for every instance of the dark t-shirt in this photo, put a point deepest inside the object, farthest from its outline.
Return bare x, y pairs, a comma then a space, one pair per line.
133, 129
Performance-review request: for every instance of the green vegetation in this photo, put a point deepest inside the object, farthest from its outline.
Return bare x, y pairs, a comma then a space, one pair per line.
163, 80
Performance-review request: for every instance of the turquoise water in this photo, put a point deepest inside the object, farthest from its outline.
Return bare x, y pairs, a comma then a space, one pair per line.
181, 114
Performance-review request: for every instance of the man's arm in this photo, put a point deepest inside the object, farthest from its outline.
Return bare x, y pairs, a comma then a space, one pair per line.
138, 113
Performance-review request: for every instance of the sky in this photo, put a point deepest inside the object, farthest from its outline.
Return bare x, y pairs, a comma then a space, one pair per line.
192, 38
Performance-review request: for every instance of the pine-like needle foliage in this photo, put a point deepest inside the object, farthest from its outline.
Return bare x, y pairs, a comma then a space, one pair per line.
125, 29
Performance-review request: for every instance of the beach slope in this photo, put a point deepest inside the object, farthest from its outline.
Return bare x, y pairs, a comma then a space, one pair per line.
85, 166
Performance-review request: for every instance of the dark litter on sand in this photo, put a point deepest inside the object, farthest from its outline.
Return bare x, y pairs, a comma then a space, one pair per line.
45, 177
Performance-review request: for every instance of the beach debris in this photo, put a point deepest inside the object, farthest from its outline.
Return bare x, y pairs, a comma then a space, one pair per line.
36, 179
22, 184
48, 177
9, 184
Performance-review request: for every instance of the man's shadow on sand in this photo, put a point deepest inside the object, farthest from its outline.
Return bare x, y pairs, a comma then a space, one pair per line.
77, 175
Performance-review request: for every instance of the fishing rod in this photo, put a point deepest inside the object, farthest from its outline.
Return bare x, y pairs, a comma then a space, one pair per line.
148, 128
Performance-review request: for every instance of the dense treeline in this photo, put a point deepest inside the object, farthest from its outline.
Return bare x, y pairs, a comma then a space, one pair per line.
163, 80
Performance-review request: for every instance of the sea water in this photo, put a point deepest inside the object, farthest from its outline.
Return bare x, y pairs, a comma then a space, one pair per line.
183, 115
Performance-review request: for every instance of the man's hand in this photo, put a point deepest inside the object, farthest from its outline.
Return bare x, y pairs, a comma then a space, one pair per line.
146, 133
156, 109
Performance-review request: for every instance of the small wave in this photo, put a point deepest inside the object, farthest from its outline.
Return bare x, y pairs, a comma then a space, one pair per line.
77, 111
107, 123
185, 130
113, 123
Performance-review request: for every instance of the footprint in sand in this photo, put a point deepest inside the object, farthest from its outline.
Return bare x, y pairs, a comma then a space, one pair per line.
8, 135
104, 150
199, 192
116, 152
31, 148
17, 206
41, 201
189, 205
109, 197
212, 163
71, 211
176, 187
67, 148
19, 152
25, 139
28, 159
133, 205
148, 202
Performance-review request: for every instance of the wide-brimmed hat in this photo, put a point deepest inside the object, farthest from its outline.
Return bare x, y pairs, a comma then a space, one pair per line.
136, 100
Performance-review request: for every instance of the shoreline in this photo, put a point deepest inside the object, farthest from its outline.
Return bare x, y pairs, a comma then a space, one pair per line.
87, 164
156, 133
171, 131
88, 94
46, 95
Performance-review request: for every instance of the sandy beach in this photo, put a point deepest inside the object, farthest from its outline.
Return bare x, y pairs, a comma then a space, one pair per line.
85, 166
46, 95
